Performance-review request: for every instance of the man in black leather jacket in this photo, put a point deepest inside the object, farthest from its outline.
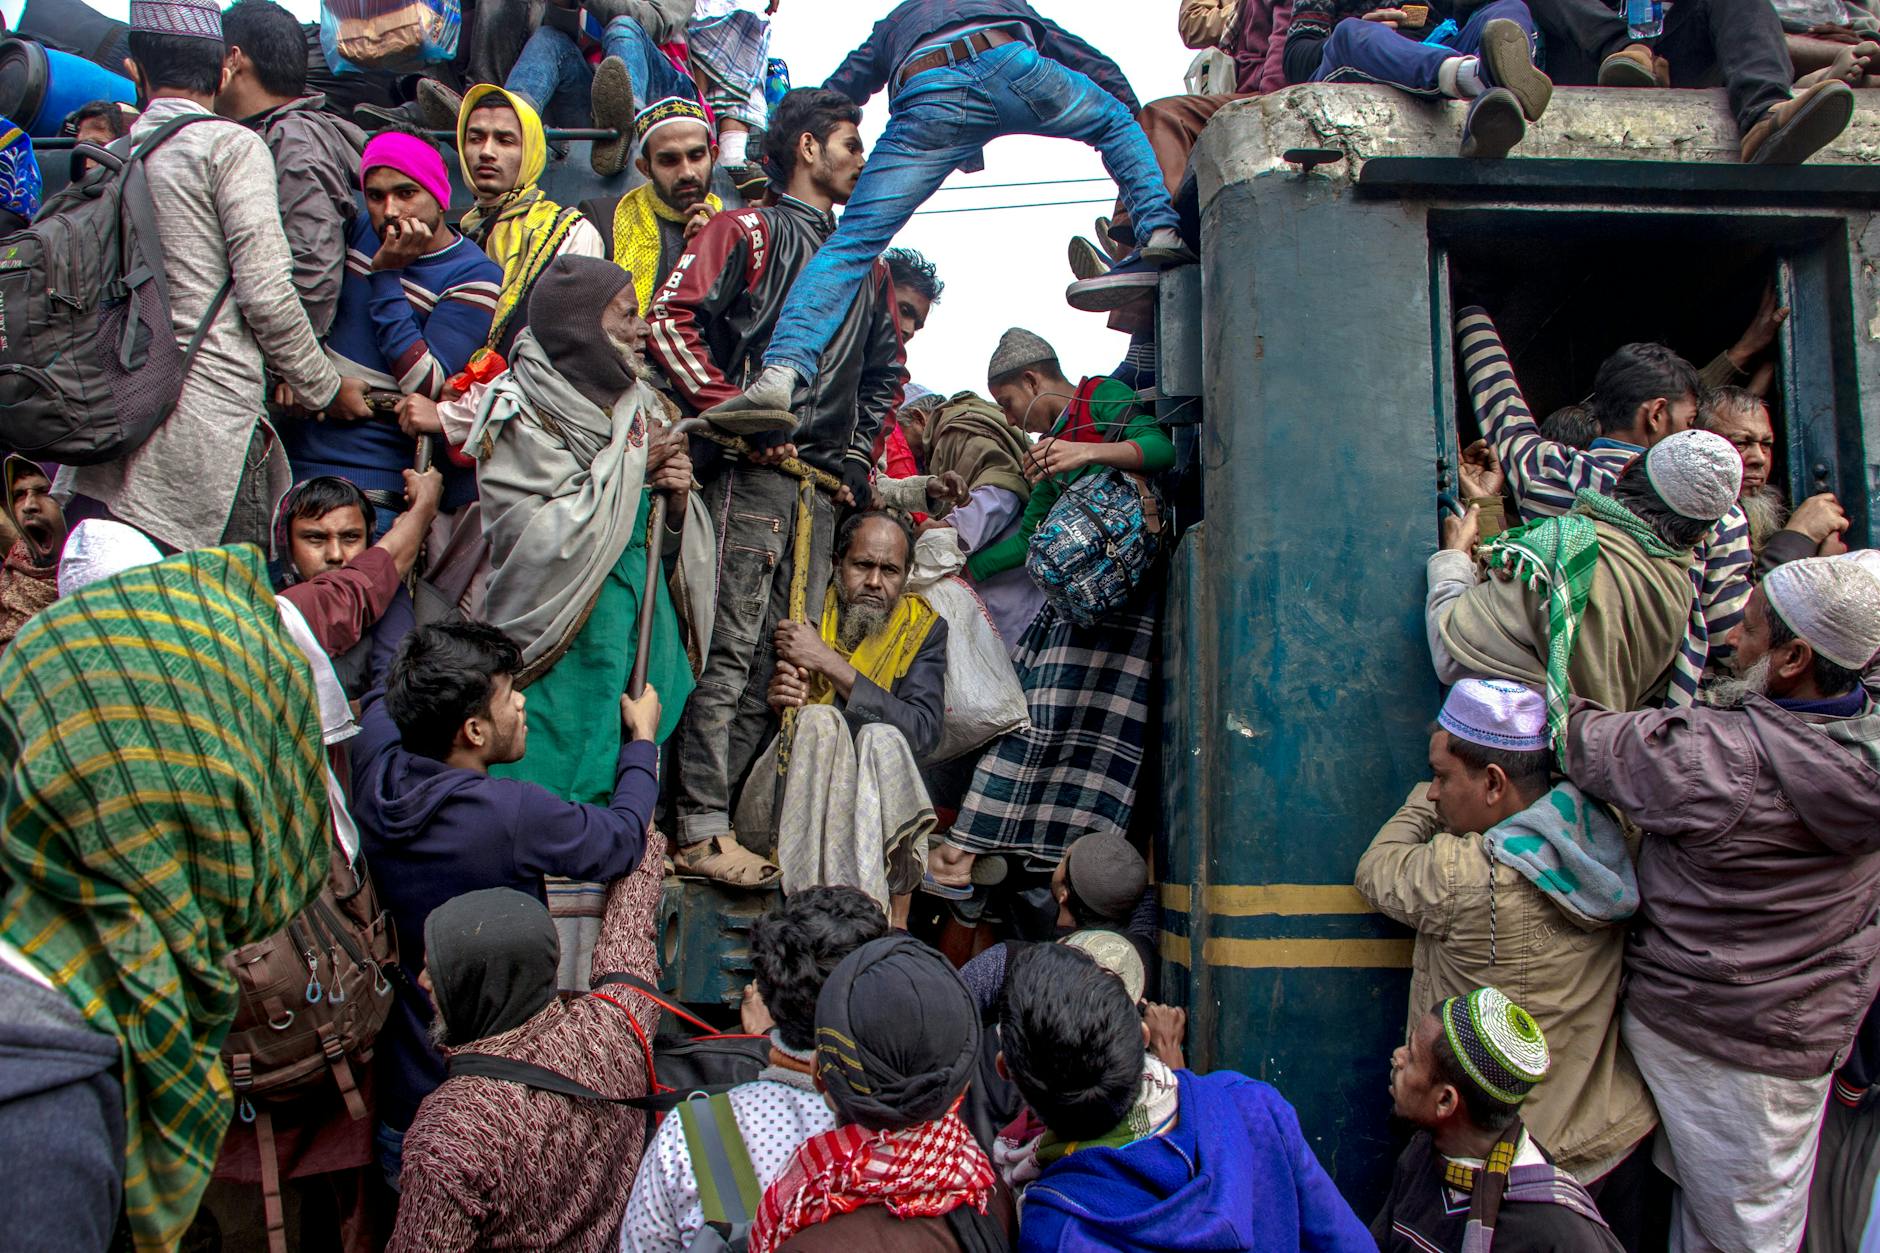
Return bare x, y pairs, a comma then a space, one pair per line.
711, 321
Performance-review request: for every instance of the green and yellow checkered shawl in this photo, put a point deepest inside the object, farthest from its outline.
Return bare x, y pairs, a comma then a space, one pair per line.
164, 805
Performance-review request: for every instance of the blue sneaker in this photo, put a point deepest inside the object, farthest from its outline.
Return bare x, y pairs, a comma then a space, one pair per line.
1494, 124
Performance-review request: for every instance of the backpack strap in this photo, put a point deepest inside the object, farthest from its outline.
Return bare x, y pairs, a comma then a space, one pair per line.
728, 1192
529, 1075
659, 998
140, 207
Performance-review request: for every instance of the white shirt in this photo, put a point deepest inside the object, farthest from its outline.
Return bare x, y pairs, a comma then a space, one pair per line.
775, 1114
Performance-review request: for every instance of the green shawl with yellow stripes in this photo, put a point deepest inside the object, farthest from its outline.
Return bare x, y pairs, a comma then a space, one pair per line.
164, 804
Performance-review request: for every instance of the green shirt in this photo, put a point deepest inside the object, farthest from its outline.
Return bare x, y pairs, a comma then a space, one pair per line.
1113, 407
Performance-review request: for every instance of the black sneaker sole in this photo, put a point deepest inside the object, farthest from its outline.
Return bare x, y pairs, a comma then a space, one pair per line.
1510, 64
1494, 127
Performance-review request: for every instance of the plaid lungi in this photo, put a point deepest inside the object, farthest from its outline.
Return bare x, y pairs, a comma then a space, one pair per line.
729, 56
1074, 770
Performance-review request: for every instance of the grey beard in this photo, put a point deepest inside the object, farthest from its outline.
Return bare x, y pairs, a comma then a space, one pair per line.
857, 623
635, 361
1732, 692
1766, 512
438, 1031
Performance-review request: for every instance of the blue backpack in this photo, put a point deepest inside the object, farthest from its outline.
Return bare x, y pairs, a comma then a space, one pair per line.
1098, 544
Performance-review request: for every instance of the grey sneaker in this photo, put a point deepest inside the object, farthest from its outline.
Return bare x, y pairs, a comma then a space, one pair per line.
1165, 248
438, 105
761, 406
612, 102
1509, 60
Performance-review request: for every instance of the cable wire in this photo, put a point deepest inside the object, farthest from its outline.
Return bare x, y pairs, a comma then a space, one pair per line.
994, 208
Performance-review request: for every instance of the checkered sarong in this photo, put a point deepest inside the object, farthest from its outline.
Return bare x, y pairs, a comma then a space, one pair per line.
732, 51
1073, 771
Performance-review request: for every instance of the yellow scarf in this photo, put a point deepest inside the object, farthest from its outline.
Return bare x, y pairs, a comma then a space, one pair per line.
884, 656
524, 230
636, 235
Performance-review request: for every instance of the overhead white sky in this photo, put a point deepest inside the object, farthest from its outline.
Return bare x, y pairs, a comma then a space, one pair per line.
1005, 267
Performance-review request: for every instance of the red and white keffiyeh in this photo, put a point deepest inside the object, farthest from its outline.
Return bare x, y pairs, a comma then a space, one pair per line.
923, 1171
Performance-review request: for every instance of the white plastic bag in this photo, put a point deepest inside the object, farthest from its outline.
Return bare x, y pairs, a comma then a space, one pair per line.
984, 698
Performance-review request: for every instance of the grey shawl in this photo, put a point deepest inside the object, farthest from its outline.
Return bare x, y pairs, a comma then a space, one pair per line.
560, 482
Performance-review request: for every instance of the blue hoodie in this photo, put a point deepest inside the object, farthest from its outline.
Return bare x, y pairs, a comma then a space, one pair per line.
1234, 1172
432, 832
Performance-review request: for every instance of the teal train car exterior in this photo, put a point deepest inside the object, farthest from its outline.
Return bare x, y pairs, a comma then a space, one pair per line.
1339, 235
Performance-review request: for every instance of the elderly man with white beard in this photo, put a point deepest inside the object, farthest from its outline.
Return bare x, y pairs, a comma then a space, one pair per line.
868, 690
570, 445
1752, 960
1775, 535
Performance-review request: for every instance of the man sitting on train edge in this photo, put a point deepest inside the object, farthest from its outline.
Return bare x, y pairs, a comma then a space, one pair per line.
1490, 62
1474, 1175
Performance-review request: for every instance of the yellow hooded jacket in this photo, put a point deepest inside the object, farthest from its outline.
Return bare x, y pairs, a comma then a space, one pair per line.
523, 231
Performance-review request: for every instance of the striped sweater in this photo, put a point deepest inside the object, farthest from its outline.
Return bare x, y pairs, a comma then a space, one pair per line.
1546, 476
400, 330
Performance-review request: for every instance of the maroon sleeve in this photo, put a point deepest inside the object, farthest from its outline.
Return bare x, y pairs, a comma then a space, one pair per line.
341, 605
725, 259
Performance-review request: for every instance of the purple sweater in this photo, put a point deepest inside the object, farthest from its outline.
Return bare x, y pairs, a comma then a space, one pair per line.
431, 832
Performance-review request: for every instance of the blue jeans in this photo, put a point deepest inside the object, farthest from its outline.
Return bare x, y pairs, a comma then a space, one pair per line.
1370, 52
553, 76
939, 123
390, 1145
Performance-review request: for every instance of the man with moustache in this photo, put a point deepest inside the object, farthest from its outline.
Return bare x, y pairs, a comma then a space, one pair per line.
711, 321
1751, 963
414, 307
1775, 535
570, 443
646, 229
869, 688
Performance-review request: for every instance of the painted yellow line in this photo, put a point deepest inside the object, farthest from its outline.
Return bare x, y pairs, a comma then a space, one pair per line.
1297, 954
1177, 949
1291, 900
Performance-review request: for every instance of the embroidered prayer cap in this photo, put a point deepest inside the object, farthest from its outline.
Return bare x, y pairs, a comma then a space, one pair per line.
897, 1035
1019, 349
197, 19
1697, 473
1832, 603
1496, 713
1497, 1043
1114, 953
914, 396
664, 112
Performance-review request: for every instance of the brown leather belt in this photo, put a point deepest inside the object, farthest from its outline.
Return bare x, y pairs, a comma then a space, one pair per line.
964, 49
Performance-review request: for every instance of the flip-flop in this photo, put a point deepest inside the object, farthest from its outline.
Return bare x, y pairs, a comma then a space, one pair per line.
945, 891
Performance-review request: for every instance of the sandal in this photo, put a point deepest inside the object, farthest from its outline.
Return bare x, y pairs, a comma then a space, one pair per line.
723, 860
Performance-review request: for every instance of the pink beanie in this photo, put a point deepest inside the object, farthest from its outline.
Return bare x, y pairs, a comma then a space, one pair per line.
410, 156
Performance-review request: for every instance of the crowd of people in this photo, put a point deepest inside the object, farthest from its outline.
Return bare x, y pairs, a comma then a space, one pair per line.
499, 573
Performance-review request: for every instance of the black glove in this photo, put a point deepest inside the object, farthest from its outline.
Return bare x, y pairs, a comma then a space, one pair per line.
855, 476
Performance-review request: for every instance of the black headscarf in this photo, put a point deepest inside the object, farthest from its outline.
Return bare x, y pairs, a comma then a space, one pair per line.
493, 957
897, 1034
565, 315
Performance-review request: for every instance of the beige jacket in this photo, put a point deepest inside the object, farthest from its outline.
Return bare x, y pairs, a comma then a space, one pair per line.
1593, 1106
1636, 616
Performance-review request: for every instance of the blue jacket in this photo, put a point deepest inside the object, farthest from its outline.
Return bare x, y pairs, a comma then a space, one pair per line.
431, 832
1233, 1173
871, 67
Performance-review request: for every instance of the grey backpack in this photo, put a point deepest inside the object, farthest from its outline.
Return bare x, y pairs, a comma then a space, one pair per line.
89, 364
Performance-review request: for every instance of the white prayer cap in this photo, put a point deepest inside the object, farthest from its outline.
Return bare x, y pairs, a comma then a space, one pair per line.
97, 549
1697, 473
1496, 713
1832, 603
1868, 557
1113, 951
